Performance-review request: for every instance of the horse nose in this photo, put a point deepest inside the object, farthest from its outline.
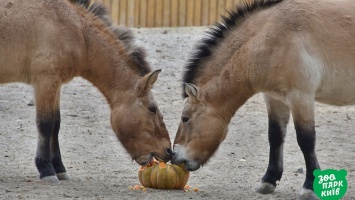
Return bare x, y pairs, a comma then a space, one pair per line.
175, 159
169, 152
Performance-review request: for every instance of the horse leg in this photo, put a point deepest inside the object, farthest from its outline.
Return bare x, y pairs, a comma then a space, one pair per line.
45, 95
278, 115
55, 150
302, 109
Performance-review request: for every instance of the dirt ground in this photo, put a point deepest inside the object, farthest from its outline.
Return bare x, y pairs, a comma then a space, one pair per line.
99, 167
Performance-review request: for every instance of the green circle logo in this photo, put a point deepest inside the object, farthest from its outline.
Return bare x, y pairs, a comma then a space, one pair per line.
330, 184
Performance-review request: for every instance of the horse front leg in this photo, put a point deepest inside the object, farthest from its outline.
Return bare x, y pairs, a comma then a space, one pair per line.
278, 115
46, 96
55, 150
303, 115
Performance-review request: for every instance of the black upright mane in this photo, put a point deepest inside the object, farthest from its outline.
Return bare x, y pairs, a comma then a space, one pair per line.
125, 35
216, 34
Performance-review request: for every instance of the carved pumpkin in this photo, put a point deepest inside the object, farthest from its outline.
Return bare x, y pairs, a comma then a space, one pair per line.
160, 175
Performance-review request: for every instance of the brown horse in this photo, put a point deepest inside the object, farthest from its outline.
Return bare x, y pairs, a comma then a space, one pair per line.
295, 52
46, 43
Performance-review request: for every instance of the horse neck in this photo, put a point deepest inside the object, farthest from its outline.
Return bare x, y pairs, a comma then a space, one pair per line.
106, 66
230, 75
227, 95
226, 76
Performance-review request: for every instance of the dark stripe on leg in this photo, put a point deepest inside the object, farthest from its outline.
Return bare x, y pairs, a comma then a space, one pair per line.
275, 167
306, 138
43, 158
55, 150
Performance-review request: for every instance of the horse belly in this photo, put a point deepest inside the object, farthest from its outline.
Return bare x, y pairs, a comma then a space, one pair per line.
340, 92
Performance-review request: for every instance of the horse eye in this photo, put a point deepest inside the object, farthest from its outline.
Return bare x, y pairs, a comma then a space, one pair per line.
153, 109
185, 119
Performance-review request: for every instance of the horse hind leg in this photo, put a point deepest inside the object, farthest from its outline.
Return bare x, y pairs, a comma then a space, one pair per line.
278, 115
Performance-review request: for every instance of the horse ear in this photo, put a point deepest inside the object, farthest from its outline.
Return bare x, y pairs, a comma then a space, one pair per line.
192, 91
147, 81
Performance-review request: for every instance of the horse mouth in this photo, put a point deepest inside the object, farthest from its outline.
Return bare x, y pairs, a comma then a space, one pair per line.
144, 160
147, 158
189, 165
165, 158
180, 157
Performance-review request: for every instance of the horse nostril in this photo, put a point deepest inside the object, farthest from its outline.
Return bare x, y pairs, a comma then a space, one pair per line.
169, 152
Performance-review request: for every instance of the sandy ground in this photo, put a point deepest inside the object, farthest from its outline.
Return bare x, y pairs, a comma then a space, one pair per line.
99, 167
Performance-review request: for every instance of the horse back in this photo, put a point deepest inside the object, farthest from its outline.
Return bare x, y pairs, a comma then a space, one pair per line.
306, 46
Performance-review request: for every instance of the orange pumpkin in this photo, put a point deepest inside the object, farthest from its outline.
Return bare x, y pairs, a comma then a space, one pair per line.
160, 175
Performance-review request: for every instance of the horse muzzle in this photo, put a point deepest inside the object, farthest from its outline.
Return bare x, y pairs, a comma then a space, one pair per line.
179, 157
144, 159
147, 158
166, 156
189, 165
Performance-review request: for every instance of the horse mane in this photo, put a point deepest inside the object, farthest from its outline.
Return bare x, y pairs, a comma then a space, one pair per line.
215, 35
122, 34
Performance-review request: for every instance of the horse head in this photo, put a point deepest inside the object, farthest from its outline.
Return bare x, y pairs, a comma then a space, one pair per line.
138, 123
200, 132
